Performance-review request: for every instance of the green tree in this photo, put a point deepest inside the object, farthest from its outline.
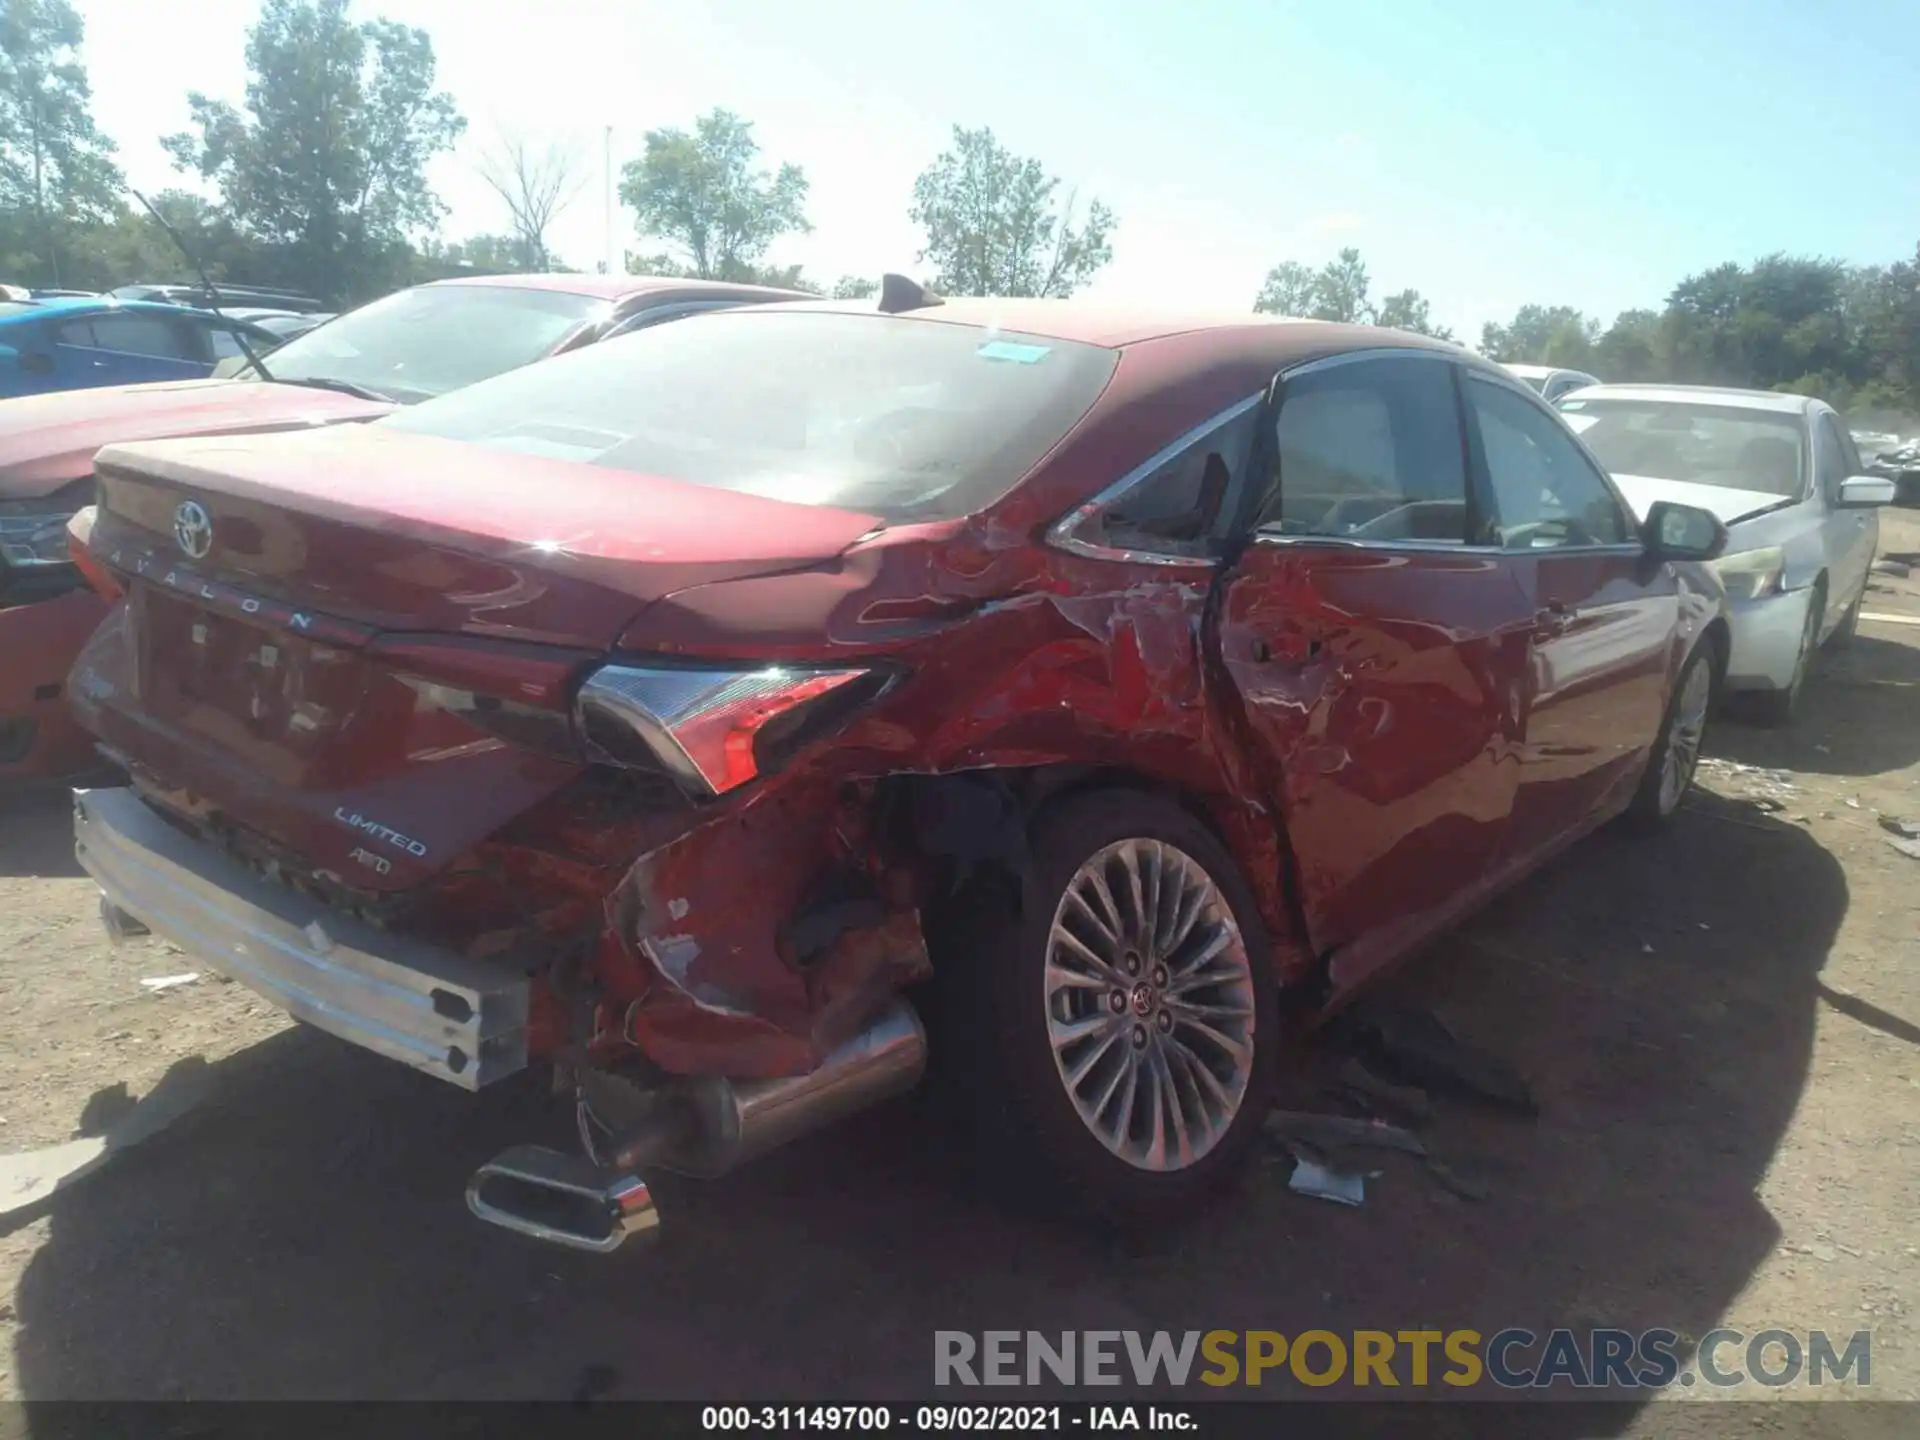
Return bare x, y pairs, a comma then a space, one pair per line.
705, 196
1543, 335
855, 287
328, 159
1409, 310
1289, 289
1341, 290
994, 227
56, 169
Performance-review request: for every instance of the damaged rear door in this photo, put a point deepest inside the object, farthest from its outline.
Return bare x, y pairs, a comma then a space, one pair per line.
1377, 657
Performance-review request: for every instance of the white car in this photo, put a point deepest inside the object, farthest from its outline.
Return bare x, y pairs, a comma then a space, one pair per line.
1783, 475
1550, 382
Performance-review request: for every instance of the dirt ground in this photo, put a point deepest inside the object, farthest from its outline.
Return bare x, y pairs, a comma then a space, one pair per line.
1722, 1027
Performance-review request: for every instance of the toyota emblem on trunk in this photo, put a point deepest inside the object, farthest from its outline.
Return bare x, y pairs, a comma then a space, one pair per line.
193, 529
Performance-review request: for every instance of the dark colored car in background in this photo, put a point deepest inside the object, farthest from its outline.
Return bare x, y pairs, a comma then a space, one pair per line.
395, 351
669, 711
52, 345
224, 296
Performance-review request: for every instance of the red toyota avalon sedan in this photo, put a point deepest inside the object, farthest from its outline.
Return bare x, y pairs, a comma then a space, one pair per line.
684, 711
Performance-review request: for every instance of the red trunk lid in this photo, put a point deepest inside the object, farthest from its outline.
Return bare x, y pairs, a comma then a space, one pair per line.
261, 672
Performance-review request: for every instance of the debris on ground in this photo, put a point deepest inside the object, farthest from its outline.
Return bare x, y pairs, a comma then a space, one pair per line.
1409, 1102
1908, 848
1463, 1181
1334, 1132
1909, 829
26, 1179
1324, 1183
156, 983
1415, 1047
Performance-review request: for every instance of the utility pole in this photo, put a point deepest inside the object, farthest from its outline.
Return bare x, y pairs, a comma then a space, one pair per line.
607, 195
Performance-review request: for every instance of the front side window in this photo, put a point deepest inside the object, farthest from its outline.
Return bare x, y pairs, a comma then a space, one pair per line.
1370, 450
1545, 494
425, 342
892, 415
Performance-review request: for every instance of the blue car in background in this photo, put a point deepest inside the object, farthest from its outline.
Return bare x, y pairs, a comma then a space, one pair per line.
76, 344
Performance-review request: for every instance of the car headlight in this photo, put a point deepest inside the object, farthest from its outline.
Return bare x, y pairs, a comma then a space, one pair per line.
1751, 573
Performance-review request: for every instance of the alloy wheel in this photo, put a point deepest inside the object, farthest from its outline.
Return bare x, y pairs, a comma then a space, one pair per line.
1683, 738
1149, 995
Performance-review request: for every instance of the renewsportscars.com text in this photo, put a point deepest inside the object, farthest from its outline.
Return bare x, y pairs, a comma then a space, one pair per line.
1512, 1359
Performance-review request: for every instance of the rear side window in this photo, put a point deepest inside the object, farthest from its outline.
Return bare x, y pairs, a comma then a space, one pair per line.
225, 347
1179, 507
1370, 450
150, 335
896, 416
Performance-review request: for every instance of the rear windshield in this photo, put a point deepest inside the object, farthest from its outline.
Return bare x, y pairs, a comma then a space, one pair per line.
419, 343
1726, 445
903, 418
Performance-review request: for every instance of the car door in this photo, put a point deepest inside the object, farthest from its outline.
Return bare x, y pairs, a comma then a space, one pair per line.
1603, 616
1848, 536
133, 346
1375, 655
36, 363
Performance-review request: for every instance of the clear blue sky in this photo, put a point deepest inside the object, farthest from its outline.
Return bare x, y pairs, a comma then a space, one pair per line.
1487, 153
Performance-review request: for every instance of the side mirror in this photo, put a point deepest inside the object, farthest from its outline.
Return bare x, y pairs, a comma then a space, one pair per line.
1682, 532
1863, 491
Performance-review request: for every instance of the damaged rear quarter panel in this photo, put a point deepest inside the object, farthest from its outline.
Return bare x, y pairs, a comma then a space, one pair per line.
1012, 659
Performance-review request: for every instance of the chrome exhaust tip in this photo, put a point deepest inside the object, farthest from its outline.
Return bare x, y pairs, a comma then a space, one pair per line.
562, 1199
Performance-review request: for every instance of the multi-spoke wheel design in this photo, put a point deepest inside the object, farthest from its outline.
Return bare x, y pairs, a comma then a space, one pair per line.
1683, 739
1150, 1003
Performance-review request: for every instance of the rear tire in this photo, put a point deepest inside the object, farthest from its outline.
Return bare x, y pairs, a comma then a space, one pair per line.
1121, 1059
1675, 758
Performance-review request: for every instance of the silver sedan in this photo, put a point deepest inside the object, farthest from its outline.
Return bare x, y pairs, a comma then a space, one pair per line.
1782, 472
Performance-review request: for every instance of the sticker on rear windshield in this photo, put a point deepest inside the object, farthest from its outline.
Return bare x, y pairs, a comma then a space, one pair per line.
1018, 354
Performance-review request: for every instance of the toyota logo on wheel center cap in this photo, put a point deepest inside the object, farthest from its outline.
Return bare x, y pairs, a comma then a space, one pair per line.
193, 529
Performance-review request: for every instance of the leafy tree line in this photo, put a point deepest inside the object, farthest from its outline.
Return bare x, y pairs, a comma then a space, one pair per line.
320, 174
1847, 334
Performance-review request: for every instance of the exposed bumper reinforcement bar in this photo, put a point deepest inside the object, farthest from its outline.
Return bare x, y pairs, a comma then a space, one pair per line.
403, 998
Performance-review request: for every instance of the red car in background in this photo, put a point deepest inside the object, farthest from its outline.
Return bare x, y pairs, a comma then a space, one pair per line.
405, 348
678, 711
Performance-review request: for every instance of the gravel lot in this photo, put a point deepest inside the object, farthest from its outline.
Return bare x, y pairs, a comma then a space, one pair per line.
1722, 1027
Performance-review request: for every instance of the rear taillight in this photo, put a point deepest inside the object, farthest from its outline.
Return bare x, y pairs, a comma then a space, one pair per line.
79, 531
711, 728
715, 729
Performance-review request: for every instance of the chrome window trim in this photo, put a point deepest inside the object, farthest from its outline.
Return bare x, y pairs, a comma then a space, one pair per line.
1440, 547
1061, 534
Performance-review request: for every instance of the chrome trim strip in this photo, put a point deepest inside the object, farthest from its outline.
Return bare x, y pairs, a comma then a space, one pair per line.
1061, 536
429, 1008
1444, 547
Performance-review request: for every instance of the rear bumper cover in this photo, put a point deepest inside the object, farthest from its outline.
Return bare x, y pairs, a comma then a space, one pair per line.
427, 1007
1766, 640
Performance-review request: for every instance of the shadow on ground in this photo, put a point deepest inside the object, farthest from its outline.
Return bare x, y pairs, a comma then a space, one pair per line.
303, 1233
36, 833
1856, 717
